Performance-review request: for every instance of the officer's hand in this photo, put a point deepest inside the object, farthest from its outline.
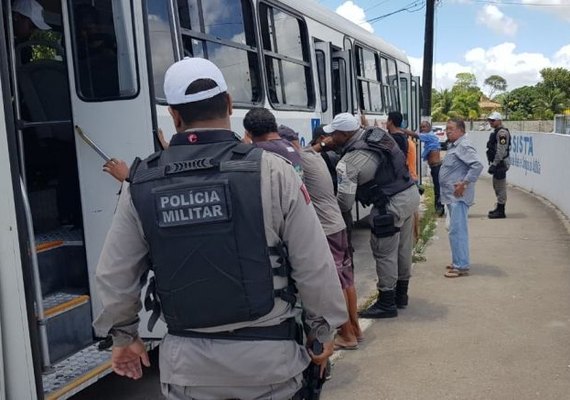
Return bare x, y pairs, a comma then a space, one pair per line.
492, 169
117, 168
321, 359
126, 361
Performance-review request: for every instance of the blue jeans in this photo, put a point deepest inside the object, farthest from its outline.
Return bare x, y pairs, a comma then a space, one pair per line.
459, 234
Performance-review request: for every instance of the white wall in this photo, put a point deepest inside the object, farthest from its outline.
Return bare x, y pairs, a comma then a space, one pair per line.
540, 163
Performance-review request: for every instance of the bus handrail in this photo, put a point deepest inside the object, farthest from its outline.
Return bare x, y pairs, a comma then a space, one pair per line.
36, 279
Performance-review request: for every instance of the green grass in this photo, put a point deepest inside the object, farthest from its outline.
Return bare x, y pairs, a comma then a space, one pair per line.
427, 225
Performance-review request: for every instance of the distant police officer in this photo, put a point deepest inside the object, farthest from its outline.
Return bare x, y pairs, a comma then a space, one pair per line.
227, 229
498, 148
373, 171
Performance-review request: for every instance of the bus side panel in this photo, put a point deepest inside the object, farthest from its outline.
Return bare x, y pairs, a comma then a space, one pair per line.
17, 380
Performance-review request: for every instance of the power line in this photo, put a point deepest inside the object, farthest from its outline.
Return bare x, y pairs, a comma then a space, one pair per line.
411, 7
374, 6
512, 3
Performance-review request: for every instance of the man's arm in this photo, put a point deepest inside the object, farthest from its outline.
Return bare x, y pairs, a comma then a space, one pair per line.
313, 268
347, 178
122, 263
502, 146
411, 133
468, 155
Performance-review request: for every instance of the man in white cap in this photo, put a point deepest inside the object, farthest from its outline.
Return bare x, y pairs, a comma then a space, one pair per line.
228, 230
498, 148
27, 16
373, 171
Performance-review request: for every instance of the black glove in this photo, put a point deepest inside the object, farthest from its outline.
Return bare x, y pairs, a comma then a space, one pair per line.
492, 169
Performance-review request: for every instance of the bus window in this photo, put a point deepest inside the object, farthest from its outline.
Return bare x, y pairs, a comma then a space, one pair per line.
161, 47
322, 74
286, 55
103, 41
224, 33
368, 81
390, 84
405, 105
340, 85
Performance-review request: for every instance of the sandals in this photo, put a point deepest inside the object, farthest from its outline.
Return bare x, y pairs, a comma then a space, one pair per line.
456, 273
340, 345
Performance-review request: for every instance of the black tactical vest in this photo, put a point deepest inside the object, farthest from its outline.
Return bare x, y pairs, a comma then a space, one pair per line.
201, 212
492, 144
392, 175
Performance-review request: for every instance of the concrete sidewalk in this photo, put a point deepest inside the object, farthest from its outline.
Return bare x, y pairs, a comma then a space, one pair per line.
501, 333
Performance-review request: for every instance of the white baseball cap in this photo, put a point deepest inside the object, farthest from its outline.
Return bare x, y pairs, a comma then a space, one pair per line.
495, 115
33, 10
185, 72
344, 122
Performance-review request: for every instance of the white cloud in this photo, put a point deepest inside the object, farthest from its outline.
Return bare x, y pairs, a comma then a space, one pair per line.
562, 57
560, 8
519, 69
497, 21
354, 13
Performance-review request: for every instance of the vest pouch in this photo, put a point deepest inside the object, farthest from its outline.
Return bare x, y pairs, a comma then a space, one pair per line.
383, 226
500, 171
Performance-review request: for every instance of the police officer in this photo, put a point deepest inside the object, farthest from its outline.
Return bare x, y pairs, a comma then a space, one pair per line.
233, 239
498, 148
373, 171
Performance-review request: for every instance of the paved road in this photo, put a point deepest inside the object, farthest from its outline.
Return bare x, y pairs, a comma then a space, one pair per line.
501, 333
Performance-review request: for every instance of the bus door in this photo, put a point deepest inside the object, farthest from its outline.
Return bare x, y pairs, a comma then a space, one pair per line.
324, 68
333, 67
110, 104
341, 82
405, 99
415, 98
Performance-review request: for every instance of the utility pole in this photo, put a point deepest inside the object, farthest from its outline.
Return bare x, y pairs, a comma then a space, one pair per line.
428, 59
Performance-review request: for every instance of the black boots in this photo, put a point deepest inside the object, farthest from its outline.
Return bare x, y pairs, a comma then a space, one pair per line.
402, 294
384, 307
498, 212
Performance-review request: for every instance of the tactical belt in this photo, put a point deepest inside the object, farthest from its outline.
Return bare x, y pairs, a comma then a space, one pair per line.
287, 330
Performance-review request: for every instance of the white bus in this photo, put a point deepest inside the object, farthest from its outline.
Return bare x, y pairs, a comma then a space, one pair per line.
100, 68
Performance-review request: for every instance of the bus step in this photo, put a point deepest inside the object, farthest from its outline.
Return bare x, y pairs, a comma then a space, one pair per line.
61, 259
79, 371
75, 373
68, 323
57, 238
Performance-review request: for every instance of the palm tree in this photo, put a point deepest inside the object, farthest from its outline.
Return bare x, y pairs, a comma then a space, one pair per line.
442, 104
550, 101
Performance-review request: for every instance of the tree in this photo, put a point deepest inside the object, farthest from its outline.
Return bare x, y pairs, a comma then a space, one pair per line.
465, 105
466, 82
466, 95
519, 102
495, 83
556, 78
442, 103
549, 102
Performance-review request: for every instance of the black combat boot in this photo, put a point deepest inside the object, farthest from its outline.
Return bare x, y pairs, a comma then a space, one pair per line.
402, 294
498, 212
385, 306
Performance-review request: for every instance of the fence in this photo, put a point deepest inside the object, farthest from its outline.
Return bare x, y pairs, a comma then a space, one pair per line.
519, 126
539, 163
562, 124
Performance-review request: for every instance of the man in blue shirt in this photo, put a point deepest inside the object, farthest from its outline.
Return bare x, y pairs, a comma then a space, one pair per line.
430, 154
460, 170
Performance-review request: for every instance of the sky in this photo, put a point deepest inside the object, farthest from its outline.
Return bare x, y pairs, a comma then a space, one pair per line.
511, 38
